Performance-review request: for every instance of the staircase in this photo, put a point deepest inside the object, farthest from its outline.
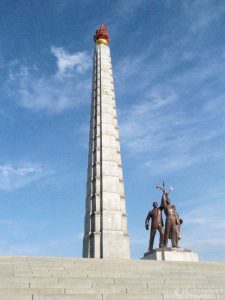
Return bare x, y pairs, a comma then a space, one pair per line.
43, 278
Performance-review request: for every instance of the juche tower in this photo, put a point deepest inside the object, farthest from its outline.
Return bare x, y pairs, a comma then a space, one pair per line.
105, 225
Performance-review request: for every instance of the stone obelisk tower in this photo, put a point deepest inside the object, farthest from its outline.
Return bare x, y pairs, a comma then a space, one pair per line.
105, 227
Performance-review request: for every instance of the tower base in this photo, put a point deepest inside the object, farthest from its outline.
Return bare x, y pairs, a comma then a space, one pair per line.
171, 254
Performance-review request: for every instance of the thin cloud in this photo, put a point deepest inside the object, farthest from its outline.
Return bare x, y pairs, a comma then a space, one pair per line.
201, 15
204, 223
67, 63
137, 241
175, 124
79, 236
210, 242
12, 178
15, 239
159, 128
55, 93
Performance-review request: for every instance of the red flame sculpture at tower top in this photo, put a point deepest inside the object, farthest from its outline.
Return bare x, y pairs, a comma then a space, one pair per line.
101, 34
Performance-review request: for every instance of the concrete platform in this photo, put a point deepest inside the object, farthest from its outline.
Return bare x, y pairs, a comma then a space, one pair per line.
171, 254
42, 278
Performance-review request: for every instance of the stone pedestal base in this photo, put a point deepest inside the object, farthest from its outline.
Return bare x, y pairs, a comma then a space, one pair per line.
171, 254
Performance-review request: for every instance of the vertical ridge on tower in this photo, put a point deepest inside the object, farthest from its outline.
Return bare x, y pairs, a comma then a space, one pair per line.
105, 225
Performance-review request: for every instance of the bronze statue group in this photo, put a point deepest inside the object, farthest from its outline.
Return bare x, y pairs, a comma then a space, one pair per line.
173, 222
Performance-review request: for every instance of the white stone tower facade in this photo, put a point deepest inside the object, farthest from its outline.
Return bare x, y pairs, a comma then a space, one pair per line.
105, 225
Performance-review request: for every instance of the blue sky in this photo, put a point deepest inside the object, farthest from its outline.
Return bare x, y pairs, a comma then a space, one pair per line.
169, 70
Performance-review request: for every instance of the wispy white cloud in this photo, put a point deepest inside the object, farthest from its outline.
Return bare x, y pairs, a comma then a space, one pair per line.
138, 241
216, 107
175, 124
67, 88
167, 136
202, 14
204, 225
12, 178
18, 238
210, 242
169, 139
128, 7
79, 236
68, 63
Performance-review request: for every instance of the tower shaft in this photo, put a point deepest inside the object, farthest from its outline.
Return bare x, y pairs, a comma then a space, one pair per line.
106, 234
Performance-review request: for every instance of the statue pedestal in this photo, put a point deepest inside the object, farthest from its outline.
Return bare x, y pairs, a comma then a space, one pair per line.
171, 254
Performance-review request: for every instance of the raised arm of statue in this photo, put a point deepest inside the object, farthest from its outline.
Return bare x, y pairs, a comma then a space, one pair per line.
164, 195
164, 199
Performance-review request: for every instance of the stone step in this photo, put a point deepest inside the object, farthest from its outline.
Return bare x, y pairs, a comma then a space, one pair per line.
115, 290
118, 277
98, 297
108, 262
112, 274
96, 282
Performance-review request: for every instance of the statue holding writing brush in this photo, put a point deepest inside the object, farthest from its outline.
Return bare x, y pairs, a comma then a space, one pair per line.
173, 221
